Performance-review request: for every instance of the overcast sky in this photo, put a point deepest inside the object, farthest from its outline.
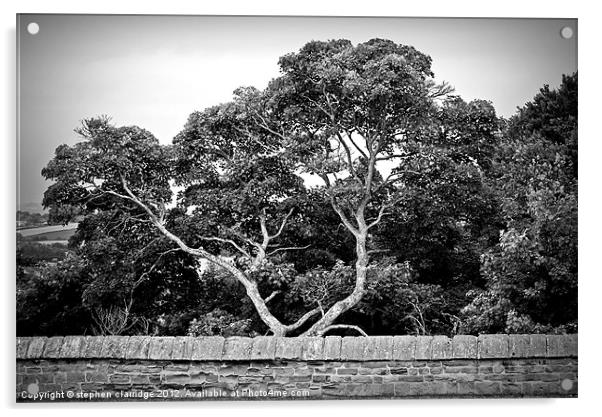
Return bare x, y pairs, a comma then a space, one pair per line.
153, 71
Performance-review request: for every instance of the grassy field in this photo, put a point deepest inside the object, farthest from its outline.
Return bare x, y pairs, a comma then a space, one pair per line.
46, 233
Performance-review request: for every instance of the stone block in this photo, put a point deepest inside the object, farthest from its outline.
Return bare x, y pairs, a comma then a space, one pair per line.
36, 347
99, 377
73, 347
289, 348
487, 388
22, 346
114, 347
237, 349
52, 348
160, 348
562, 346
424, 348
138, 347
352, 348
511, 389
493, 346
464, 347
264, 348
402, 389
404, 348
538, 346
335, 390
518, 345
208, 348
313, 348
182, 348
94, 346
347, 371
332, 347
441, 348
378, 348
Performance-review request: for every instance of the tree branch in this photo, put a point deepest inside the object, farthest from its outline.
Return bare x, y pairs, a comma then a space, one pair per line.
355, 145
349, 158
243, 237
381, 212
248, 134
146, 273
343, 326
271, 296
288, 248
343, 217
250, 285
264, 125
290, 212
231, 242
302, 320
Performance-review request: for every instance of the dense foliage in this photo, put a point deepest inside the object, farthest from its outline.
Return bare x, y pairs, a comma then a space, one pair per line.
531, 273
352, 194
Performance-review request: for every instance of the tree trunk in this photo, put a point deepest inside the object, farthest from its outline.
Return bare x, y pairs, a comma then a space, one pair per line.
276, 327
361, 268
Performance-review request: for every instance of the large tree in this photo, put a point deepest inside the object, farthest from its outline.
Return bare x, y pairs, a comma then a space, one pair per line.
345, 112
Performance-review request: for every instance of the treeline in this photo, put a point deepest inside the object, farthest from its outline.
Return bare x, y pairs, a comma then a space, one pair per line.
27, 219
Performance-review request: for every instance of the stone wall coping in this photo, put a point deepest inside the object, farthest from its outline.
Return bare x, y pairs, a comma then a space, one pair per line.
329, 348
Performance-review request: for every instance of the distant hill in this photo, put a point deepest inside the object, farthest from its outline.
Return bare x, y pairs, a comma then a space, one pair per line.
32, 207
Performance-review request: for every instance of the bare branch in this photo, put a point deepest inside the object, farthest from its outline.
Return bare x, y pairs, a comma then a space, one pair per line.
271, 296
355, 145
264, 230
321, 308
372, 251
250, 285
341, 141
343, 326
319, 106
243, 237
267, 238
302, 320
391, 178
125, 197
230, 241
145, 274
325, 179
113, 320
268, 148
381, 212
343, 217
131, 196
290, 212
264, 125
288, 248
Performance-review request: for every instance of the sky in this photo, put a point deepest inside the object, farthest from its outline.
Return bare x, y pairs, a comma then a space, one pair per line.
153, 71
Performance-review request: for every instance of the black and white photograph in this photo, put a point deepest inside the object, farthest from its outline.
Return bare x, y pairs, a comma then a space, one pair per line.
290, 208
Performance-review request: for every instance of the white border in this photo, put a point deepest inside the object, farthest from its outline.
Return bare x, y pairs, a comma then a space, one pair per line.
589, 207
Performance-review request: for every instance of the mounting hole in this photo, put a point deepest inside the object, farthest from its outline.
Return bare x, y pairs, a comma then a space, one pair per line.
566, 384
33, 28
566, 32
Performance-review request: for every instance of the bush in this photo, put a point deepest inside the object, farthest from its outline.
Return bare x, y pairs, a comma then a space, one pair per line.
220, 323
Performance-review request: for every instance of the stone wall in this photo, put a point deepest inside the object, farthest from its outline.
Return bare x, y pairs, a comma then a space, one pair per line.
141, 368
